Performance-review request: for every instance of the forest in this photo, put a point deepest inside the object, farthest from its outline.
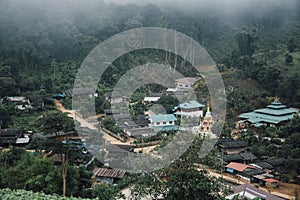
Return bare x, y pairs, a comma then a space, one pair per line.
256, 47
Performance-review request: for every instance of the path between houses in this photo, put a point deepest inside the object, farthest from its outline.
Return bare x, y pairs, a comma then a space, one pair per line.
76, 116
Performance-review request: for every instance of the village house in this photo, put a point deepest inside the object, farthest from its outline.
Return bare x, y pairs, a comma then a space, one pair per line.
115, 97
269, 182
139, 132
250, 192
183, 85
21, 103
239, 170
162, 122
279, 164
13, 137
230, 146
107, 176
247, 172
264, 166
189, 109
152, 97
275, 114
244, 158
118, 151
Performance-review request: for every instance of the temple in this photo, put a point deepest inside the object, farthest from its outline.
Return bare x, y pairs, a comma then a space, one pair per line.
274, 114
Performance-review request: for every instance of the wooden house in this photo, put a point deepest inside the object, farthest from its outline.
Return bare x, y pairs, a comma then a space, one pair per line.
230, 146
107, 176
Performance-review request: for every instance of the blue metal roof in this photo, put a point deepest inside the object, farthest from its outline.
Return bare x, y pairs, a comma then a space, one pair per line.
167, 128
274, 114
162, 118
190, 104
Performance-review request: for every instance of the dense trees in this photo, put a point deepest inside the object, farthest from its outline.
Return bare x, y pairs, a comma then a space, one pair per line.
180, 180
56, 122
21, 170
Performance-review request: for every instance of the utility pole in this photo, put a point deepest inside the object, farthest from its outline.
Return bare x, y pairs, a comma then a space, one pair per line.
222, 162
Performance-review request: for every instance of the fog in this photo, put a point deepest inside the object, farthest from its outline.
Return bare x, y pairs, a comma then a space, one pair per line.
217, 6
187, 6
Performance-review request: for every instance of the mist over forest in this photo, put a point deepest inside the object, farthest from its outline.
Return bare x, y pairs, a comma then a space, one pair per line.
34, 35
254, 43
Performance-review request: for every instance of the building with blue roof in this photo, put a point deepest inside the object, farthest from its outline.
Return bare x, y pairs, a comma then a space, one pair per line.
189, 109
274, 114
163, 122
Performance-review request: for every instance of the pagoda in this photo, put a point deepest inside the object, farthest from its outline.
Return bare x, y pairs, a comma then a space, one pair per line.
274, 114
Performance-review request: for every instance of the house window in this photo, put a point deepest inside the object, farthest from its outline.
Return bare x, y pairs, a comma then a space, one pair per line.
170, 122
157, 123
164, 122
186, 85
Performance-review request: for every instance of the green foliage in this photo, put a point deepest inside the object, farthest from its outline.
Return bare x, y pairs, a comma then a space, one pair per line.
7, 86
102, 192
289, 59
55, 122
7, 194
36, 173
245, 42
25, 120
5, 119
291, 45
180, 180
168, 102
110, 124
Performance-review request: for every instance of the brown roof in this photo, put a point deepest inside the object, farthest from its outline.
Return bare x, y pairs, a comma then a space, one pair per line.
113, 173
187, 80
238, 166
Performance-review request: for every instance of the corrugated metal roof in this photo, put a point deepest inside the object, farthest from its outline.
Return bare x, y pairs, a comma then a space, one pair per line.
162, 118
166, 128
233, 144
112, 173
248, 156
277, 112
260, 118
191, 104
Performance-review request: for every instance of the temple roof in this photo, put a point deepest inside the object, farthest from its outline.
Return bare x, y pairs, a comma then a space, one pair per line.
274, 113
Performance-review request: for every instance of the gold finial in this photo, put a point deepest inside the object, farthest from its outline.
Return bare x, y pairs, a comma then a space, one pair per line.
270, 99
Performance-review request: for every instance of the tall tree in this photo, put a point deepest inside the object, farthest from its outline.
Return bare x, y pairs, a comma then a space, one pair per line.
56, 122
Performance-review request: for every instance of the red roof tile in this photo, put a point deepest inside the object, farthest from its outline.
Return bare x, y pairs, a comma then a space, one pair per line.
270, 180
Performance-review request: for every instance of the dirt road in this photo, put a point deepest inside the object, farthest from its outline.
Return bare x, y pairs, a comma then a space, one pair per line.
83, 122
